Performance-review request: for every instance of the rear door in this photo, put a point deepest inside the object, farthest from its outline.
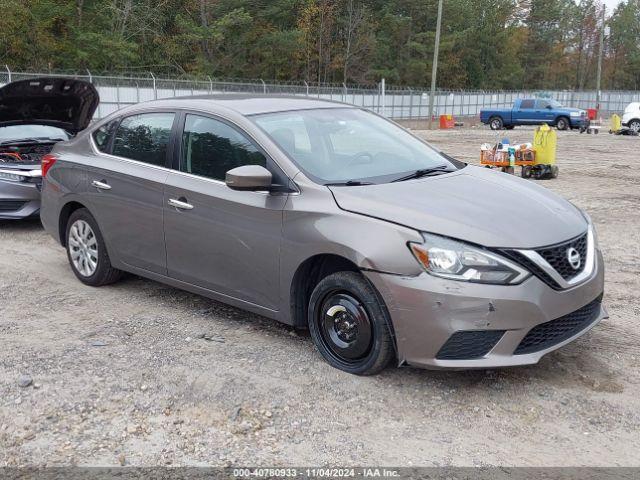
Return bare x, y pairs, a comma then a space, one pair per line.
220, 239
525, 114
126, 188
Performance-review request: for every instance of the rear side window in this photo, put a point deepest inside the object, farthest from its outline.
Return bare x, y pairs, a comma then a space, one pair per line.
210, 148
102, 135
525, 104
144, 137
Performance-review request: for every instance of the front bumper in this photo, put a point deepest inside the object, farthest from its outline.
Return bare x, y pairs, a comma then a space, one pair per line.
426, 311
579, 122
18, 200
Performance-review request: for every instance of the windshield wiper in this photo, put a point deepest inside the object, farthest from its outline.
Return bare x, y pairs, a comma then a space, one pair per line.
348, 183
422, 172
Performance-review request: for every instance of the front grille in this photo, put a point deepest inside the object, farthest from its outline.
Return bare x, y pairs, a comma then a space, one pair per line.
10, 205
467, 345
556, 256
555, 331
531, 266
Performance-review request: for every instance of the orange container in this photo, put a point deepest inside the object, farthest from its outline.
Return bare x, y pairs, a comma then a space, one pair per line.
447, 121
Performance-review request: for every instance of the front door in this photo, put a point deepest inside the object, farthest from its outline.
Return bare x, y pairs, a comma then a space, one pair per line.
125, 189
220, 239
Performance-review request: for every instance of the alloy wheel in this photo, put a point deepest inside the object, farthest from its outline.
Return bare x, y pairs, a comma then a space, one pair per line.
83, 248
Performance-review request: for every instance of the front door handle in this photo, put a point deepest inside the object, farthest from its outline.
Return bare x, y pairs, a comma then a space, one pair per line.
180, 204
101, 185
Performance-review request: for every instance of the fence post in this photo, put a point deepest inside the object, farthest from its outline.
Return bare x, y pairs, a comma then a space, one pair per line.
155, 90
90, 76
264, 86
382, 99
210, 84
344, 95
8, 72
306, 85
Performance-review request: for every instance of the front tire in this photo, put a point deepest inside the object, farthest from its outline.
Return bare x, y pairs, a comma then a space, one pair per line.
87, 252
350, 325
634, 126
563, 123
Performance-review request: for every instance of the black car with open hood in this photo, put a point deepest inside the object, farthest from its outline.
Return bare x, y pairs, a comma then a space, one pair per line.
59, 102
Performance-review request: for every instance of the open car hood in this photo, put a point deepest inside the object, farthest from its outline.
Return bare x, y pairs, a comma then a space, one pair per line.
60, 102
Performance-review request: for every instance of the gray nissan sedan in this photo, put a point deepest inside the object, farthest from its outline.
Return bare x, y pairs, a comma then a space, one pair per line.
327, 216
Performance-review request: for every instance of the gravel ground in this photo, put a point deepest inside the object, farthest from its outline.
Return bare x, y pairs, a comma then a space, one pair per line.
142, 374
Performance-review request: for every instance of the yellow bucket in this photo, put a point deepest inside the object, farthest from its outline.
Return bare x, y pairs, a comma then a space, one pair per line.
616, 123
544, 144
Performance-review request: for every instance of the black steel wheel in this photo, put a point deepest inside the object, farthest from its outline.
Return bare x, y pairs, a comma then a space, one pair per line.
526, 171
350, 325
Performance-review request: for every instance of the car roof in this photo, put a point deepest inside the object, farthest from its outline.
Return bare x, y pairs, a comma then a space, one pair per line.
248, 104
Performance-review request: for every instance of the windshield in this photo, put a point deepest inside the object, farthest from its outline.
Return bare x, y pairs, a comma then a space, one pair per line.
18, 132
335, 145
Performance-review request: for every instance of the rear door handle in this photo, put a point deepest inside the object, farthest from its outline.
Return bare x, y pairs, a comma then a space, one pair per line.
101, 185
180, 204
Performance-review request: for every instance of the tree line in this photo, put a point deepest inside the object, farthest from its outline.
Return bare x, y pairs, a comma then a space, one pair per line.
485, 44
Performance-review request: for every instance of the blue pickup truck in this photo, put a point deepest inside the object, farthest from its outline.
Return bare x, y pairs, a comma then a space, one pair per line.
535, 111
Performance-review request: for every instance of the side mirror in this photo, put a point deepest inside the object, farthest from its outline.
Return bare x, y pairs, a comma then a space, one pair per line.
549, 107
249, 177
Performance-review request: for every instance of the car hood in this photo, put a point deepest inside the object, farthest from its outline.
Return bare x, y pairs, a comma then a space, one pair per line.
570, 109
60, 102
475, 204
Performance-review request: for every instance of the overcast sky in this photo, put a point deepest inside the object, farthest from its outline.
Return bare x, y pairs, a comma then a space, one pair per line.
611, 4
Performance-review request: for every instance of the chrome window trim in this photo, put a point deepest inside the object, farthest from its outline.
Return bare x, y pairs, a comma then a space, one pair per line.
99, 153
587, 272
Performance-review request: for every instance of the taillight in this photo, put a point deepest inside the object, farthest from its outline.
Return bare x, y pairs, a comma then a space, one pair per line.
47, 162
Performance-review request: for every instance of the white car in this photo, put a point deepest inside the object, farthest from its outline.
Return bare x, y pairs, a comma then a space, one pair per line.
631, 117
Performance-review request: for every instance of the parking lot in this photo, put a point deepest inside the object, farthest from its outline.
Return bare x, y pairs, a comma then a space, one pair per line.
139, 373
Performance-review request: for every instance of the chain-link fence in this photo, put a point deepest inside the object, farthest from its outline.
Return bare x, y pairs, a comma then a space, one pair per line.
117, 91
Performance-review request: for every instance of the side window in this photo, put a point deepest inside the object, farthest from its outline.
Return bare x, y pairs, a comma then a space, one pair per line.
210, 148
526, 104
144, 137
102, 135
541, 104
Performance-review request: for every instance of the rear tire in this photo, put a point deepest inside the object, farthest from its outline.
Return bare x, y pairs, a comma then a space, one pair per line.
554, 171
496, 123
87, 252
350, 325
526, 172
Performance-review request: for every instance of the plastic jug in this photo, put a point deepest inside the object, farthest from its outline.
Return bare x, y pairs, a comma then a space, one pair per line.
544, 144
616, 123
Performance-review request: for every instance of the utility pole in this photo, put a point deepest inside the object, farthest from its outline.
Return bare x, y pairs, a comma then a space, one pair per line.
434, 70
599, 77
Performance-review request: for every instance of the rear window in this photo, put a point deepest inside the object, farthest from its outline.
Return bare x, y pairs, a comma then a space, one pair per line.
144, 137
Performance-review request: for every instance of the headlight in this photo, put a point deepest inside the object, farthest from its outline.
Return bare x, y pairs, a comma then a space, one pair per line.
456, 260
577, 114
12, 177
